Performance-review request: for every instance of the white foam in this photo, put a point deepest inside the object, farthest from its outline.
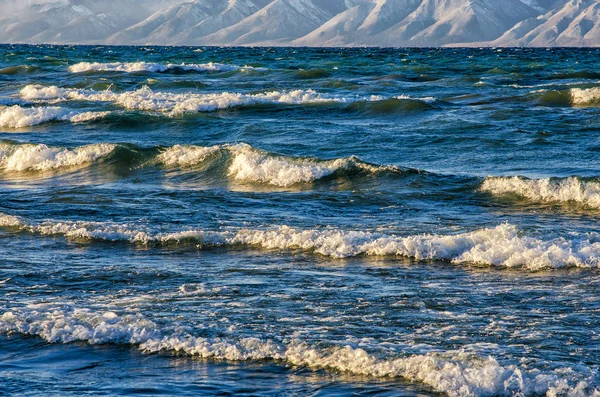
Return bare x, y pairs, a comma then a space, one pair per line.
186, 155
88, 116
253, 165
457, 372
249, 164
546, 190
20, 117
502, 246
131, 67
176, 104
587, 96
10, 221
43, 158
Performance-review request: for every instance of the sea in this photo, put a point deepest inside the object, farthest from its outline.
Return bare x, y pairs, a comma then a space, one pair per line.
202, 221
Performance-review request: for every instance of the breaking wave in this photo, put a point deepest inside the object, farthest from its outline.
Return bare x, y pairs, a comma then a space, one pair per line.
17, 116
241, 162
132, 67
30, 157
456, 372
565, 190
569, 97
176, 104
20, 69
253, 165
589, 96
503, 246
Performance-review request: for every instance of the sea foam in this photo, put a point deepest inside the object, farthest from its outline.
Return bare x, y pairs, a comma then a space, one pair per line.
240, 162
588, 96
455, 372
503, 246
186, 155
30, 157
546, 190
176, 104
19, 117
131, 67
249, 164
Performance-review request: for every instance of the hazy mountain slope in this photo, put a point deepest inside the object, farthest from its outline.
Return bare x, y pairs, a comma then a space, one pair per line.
280, 21
362, 20
70, 21
417, 23
340, 30
160, 27
224, 17
576, 23
442, 22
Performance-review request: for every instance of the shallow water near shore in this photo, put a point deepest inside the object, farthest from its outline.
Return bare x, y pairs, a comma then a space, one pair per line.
279, 221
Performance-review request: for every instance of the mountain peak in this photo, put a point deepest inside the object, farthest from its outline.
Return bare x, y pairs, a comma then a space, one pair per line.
304, 22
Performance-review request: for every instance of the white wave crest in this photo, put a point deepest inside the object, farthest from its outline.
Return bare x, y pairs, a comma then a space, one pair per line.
502, 246
10, 221
20, 117
253, 165
546, 190
43, 158
588, 96
457, 372
176, 104
131, 67
88, 116
186, 155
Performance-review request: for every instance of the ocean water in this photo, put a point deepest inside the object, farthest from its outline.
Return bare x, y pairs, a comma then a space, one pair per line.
299, 222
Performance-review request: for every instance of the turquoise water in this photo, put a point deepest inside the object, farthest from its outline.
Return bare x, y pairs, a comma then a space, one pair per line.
277, 221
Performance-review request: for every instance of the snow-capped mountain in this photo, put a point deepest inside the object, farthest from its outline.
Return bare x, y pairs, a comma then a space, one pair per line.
573, 23
303, 22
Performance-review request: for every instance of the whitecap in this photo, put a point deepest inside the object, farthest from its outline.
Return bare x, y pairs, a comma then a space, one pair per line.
31, 157
131, 67
546, 190
248, 164
502, 246
177, 104
455, 372
19, 117
588, 96
186, 155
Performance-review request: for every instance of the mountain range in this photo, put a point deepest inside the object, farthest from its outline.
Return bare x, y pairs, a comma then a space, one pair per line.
381, 23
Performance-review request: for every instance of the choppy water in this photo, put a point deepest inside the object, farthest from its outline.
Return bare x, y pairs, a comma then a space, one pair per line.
201, 221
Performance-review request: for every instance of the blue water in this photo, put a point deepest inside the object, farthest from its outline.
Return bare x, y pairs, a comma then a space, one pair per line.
278, 221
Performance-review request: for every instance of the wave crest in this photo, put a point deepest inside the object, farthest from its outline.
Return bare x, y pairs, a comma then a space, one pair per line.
177, 104
186, 155
546, 190
242, 162
455, 372
43, 158
249, 164
502, 246
17, 116
132, 67
589, 96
